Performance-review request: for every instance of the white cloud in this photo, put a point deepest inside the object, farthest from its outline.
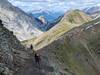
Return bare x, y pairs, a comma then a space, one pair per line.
72, 3
53, 5
98, 4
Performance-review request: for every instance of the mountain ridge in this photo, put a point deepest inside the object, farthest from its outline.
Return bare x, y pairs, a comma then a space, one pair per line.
63, 26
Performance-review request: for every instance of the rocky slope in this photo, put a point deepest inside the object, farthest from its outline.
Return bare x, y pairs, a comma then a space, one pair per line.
15, 59
77, 51
18, 21
70, 20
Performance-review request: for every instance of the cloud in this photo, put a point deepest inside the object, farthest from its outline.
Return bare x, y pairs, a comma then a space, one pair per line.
53, 5
98, 4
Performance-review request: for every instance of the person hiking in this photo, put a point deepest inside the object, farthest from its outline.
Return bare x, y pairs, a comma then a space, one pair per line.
1, 23
31, 47
37, 58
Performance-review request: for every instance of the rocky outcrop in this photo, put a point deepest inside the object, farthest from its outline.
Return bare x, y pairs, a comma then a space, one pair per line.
12, 53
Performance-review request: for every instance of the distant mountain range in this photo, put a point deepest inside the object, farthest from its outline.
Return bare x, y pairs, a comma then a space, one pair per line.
93, 11
48, 25
50, 19
49, 16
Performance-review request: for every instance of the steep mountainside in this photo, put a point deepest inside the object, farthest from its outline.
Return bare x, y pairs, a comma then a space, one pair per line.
77, 51
70, 20
15, 59
18, 21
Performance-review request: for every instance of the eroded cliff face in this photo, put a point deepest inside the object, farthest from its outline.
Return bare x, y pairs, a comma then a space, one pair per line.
12, 53
18, 21
77, 51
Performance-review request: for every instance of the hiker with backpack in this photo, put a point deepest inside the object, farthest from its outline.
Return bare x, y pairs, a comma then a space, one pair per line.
37, 58
31, 47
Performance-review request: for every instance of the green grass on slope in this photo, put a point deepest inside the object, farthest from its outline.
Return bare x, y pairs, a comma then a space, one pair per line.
82, 54
77, 17
52, 35
75, 58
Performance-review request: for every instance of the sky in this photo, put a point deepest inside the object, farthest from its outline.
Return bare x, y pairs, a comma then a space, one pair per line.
53, 5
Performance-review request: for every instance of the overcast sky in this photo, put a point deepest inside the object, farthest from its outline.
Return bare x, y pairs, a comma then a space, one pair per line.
53, 5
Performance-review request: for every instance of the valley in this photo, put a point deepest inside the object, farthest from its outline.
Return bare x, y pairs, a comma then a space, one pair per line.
38, 38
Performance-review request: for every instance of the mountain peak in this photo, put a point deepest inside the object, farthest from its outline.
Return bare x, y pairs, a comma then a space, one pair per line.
77, 16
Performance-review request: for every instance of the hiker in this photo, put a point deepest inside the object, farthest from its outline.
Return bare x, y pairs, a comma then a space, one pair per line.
1, 22
31, 47
37, 58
